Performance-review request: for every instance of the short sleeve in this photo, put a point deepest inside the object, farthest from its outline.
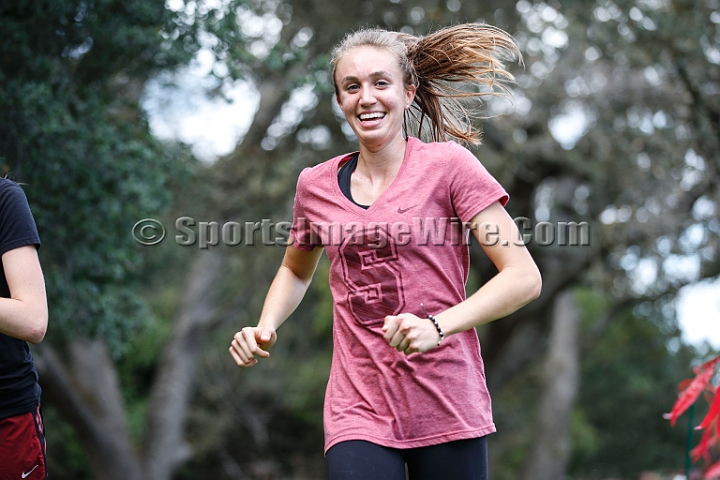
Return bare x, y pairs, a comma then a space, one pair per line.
472, 187
300, 233
17, 226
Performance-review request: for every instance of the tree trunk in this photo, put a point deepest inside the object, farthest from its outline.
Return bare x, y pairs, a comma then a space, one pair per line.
550, 450
88, 396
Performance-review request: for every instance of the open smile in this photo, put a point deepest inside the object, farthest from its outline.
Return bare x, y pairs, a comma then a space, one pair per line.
371, 116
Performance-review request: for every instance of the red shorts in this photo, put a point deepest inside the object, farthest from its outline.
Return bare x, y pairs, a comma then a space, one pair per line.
22, 447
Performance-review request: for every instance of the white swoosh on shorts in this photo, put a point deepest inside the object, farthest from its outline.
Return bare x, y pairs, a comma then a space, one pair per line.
24, 475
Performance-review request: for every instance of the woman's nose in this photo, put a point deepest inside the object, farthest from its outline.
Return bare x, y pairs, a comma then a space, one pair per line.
367, 97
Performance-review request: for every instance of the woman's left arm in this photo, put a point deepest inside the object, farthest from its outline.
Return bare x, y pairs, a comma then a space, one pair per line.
25, 314
517, 283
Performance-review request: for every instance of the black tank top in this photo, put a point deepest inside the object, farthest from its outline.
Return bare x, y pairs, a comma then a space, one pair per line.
344, 178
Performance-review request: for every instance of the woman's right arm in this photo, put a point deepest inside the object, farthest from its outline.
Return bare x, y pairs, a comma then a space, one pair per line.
287, 290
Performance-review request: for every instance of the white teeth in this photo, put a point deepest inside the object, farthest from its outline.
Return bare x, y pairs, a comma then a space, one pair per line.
368, 116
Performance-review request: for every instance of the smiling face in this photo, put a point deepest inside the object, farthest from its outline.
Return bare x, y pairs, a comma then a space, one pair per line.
372, 95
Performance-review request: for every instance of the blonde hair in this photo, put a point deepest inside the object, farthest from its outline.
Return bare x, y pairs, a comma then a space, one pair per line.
448, 67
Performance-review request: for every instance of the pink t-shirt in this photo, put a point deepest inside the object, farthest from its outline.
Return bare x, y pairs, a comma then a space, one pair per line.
409, 247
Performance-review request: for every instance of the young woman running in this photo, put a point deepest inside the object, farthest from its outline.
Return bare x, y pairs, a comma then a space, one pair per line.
407, 385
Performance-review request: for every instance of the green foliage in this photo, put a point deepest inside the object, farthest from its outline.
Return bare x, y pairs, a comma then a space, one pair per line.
73, 133
629, 378
66, 458
583, 436
514, 408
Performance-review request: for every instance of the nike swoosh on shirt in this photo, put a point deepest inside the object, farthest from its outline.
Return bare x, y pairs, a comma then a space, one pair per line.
24, 475
403, 210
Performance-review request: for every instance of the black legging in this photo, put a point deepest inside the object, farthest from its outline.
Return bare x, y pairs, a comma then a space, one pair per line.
361, 460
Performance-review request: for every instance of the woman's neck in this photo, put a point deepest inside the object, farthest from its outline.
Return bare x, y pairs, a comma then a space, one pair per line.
376, 170
380, 165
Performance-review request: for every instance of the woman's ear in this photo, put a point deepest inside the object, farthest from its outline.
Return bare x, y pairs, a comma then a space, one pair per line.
410, 94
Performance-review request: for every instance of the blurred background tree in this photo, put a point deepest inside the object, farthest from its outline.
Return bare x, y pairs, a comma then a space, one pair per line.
615, 122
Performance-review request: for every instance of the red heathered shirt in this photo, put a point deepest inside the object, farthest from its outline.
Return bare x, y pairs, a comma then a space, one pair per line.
408, 248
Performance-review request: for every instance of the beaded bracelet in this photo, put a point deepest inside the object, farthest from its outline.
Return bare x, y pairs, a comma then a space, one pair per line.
435, 322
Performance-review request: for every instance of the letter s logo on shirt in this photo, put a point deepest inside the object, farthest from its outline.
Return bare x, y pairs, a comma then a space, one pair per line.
370, 269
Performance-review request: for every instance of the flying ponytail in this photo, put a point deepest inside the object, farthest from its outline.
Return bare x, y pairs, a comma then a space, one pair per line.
449, 68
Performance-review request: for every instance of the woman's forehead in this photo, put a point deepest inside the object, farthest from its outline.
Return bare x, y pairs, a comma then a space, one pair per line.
365, 56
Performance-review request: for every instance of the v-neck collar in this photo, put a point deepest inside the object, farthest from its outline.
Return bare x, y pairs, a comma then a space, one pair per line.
350, 205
